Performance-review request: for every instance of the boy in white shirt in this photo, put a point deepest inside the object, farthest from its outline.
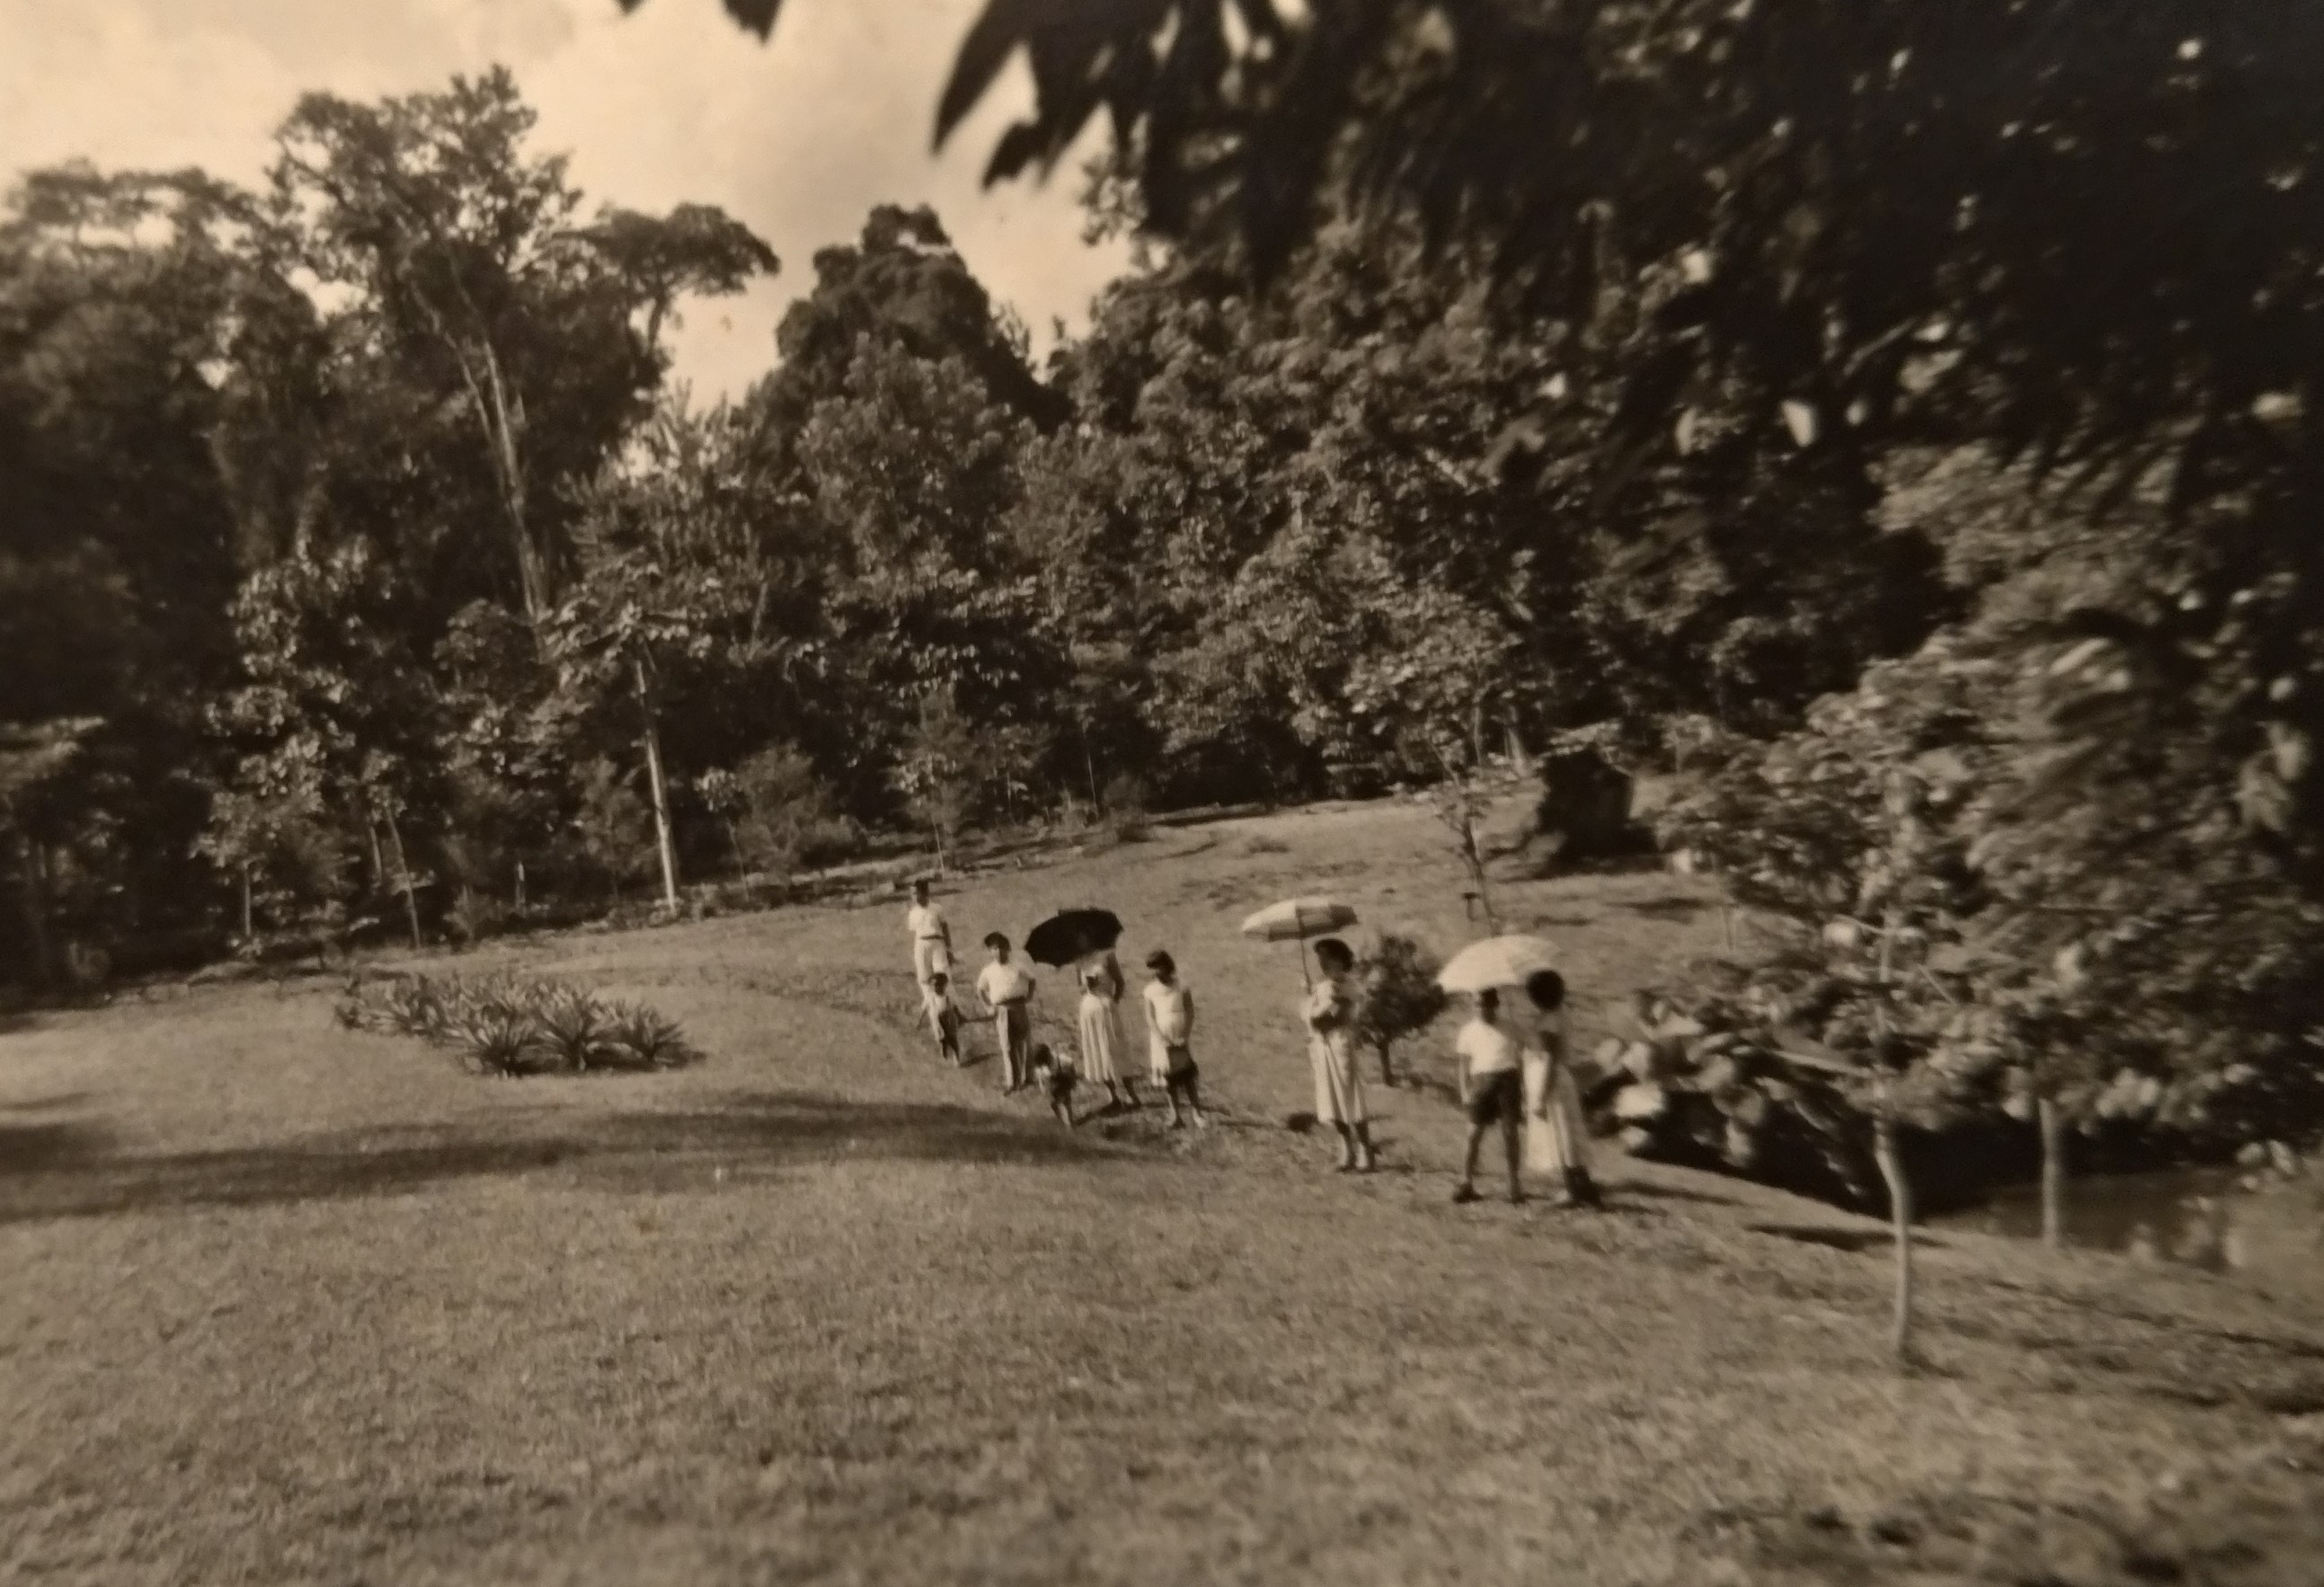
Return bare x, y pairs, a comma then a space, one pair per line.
1492, 1090
1006, 990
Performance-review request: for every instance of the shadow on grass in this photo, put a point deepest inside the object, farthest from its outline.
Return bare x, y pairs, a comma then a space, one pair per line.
1675, 1193
1671, 907
1851, 1241
71, 1170
2113, 1310
33, 1148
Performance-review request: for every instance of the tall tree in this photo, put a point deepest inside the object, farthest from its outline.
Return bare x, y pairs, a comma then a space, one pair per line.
474, 275
676, 602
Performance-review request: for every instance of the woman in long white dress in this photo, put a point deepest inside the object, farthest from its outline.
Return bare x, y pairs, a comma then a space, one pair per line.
1099, 1037
1557, 1134
1115, 986
1329, 1011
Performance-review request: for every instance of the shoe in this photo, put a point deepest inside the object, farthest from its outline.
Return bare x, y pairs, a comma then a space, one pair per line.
1465, 1196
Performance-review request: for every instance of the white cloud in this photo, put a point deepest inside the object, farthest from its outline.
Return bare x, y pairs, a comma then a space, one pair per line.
799, 138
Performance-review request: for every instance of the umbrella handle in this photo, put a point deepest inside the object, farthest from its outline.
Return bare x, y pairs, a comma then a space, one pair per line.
1305, 979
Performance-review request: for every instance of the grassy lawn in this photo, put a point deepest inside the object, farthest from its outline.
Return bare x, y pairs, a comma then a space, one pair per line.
290, 1305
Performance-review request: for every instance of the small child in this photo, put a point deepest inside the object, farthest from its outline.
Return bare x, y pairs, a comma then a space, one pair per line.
1056, 1079
1170, 1029
944, 1019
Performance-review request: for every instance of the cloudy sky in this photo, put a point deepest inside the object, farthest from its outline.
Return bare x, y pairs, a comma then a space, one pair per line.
798, 138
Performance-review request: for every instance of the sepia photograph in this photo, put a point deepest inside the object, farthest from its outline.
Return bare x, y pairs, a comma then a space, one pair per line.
1130, 792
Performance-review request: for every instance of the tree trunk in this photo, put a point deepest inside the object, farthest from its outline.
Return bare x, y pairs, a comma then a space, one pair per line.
1474, 856
1477, 735
1520, 761
520, 886
32, 859
403, 870
245, 902
662, 841
502, 421
1089, 766
2053, 1172
378, 860
501, 417
1900, 1224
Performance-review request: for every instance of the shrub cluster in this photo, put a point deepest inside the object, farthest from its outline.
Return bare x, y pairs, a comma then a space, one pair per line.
508, 1024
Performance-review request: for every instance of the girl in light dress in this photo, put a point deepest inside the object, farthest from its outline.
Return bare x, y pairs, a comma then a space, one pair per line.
1170, 1031
1557, 1135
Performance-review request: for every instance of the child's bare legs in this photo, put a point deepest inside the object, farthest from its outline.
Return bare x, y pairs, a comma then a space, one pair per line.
1347, 1147
1509, 1146
1467, 1191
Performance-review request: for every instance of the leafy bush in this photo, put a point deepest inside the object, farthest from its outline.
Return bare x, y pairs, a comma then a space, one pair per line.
500, 1040
474, 915
417, 1007
510, 1025
612, 825
787, 814
1583, 812
571, 1024
1401, 997
638, 1037
943, 773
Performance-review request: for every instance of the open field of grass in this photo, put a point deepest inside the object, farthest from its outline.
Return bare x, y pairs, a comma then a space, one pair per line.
287, 1303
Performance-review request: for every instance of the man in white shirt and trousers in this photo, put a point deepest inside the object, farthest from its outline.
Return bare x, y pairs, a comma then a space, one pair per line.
931, 937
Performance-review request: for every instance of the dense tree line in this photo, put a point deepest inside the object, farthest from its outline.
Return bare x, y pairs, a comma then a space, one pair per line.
380, 581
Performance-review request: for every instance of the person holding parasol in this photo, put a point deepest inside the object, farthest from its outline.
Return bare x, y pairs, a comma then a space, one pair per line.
1519, 973
1329, 1011
1084, 939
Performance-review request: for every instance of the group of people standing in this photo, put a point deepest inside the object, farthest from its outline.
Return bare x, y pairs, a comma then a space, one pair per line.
1515, 1073
1004, 991
1514, 1065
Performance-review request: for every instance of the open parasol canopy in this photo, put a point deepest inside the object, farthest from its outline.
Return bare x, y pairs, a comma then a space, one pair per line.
1072, 935
1497, 962
1298, 919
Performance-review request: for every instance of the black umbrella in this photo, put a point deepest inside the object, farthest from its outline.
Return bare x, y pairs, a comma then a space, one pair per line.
1072, 935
